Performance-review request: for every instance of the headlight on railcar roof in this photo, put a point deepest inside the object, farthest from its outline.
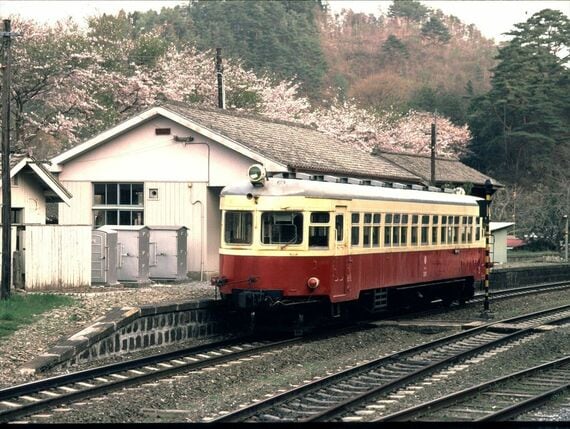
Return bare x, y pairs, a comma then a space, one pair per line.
257, 174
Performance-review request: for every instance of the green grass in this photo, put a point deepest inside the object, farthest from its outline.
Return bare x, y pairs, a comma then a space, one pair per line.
21, 310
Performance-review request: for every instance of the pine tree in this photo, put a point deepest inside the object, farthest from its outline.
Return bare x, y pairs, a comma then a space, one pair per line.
520, 128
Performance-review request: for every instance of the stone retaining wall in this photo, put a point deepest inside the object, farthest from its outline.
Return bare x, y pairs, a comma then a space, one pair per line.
128, 329
501, 278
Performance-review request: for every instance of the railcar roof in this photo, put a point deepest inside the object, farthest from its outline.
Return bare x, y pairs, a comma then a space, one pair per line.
343, 191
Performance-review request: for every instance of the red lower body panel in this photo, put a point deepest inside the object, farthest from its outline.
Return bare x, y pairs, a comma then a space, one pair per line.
343, 277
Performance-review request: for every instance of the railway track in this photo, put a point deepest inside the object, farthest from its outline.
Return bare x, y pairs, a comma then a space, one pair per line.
33, 397
497, 400
342, 396
521, 291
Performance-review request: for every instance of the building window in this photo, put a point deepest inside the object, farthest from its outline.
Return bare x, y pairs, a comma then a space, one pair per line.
118, 204
17, 216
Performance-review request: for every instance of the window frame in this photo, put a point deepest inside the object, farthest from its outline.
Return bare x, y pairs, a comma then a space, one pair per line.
114, 210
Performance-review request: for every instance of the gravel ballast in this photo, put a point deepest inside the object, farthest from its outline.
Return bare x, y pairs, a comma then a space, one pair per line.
197, 396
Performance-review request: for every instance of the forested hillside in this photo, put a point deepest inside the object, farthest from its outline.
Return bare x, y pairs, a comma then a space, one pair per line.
365, 80
412, 58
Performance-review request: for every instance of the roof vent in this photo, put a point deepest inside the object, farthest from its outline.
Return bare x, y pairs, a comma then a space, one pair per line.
398, 186
162, 131
417, 187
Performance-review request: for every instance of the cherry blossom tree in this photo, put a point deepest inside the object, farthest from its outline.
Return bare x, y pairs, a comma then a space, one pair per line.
70, 85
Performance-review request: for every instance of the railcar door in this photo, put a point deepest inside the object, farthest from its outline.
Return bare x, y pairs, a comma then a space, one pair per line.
341, 285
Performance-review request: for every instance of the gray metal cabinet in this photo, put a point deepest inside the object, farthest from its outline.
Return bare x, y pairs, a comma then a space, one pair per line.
132, 253
167, 252
104, 256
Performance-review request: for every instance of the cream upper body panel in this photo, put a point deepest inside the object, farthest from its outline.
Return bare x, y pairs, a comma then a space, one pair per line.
311, 196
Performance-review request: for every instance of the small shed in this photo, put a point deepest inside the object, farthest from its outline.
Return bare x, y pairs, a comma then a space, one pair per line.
499, 232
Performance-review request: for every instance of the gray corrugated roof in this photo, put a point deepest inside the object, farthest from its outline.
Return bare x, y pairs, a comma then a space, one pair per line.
294, 145
15, 158
446, 170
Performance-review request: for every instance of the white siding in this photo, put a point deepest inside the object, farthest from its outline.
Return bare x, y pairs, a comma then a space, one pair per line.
181, 172
180, 204
79, 213
28, 195
57, 257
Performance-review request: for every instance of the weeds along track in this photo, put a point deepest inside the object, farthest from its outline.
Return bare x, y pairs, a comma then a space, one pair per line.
357, 393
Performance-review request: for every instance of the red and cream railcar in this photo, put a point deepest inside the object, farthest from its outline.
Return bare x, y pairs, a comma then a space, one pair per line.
290, 241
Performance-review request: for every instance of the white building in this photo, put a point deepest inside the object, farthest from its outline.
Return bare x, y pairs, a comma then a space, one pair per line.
499, 232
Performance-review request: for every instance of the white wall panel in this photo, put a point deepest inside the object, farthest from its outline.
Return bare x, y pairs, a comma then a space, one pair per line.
57, 257
79, 212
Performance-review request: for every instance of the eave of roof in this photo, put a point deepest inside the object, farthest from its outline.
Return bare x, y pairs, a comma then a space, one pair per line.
447, 169
149, 114
275, 144
44, 175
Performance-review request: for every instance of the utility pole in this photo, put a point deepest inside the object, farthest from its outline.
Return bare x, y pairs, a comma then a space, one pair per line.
486, 225
566, 239
6, 185
432, 147
220, 77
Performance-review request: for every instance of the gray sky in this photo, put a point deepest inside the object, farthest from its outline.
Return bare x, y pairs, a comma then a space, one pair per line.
491, 17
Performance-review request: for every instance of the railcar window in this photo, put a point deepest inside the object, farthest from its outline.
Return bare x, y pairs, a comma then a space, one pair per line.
434, 228
443, 230
478, 228
388, 230
339, 227
396, 229
238, 227
319, 234
414, 235
464, 229
456, 229
320, 217
367, 230
376, 230
449, 229
282, 228
404, 230
425, 229
470, 229
354, 231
